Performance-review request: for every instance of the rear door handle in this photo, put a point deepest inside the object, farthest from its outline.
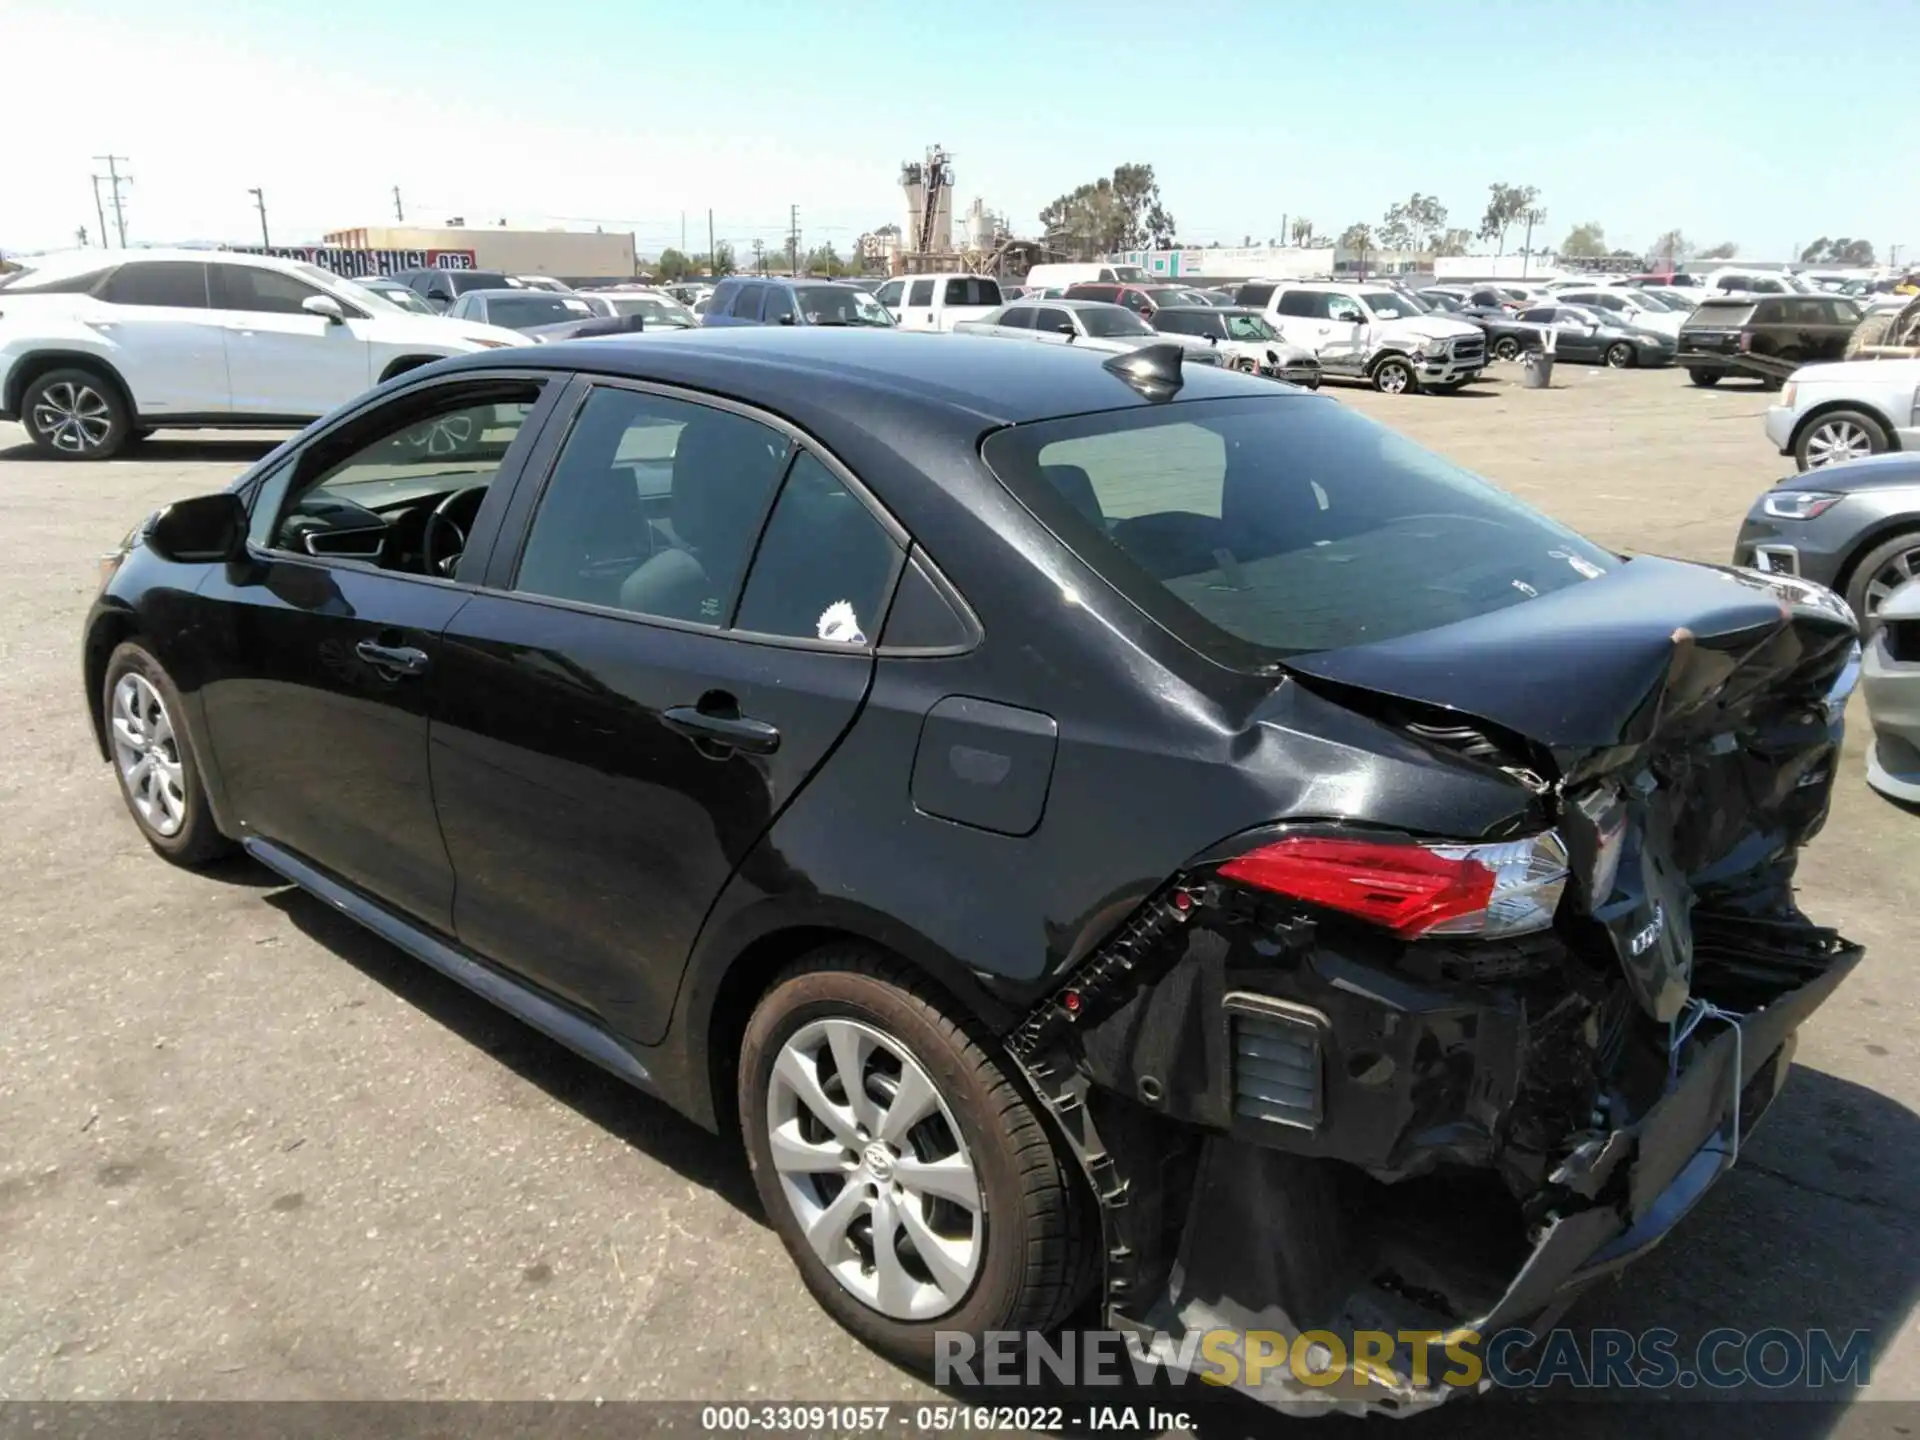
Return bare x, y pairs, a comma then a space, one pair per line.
735, 732
393, 660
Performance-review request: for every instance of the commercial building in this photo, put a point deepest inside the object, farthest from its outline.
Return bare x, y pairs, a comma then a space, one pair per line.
569, 254
1234, 262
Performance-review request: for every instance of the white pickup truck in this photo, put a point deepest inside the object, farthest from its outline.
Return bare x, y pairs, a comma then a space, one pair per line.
1368, 332
938, 302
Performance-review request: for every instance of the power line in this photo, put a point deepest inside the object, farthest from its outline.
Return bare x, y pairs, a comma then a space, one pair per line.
260, 202
113, 163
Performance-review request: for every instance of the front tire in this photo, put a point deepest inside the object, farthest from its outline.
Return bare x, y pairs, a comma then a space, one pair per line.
1507, 347
75, 414
1837, 436
1620, 355
1706, 379
1393, 376
910, 1178
154, 761
1881, 571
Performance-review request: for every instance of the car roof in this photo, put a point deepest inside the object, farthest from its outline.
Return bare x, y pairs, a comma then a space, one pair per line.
79, 262
514, 292
784, 367
1067, 302
1210, 310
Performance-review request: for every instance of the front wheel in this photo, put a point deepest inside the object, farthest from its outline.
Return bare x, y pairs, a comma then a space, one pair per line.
73, 414
1507, 347
909, 1177
1620, 355
1395, 377
1836, 436
1707, 379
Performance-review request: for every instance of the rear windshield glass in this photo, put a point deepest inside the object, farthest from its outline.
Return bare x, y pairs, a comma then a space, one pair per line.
1721, 314
536, 307
1104, 322
1262, 528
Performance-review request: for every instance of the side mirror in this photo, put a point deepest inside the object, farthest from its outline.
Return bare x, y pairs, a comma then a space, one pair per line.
1065, 327
324, 305
786, 319
205, 528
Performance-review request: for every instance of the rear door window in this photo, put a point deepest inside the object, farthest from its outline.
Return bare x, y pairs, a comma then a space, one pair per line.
177, 284
1055, 321
920, 293
1304, 304
746, 305
779, 305
972, 290
1268, 527
1017, 317
823, 566
1254, 295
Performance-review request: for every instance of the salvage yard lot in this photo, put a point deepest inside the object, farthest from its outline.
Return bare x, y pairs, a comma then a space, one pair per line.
247, 1151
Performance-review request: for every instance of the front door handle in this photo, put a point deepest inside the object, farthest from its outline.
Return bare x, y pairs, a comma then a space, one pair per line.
395, 660
735, 732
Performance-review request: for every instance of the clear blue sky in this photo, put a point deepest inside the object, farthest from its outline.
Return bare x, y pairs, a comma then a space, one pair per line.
1764, 123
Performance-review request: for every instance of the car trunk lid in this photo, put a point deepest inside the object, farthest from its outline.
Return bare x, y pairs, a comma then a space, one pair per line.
1685, 717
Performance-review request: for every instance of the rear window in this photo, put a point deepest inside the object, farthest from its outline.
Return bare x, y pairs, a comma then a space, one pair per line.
1258, 529
973, 290
1720, 315
37, 282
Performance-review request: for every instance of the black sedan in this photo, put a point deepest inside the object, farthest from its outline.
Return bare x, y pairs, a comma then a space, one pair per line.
1600, 338
1066, 814
1507, 338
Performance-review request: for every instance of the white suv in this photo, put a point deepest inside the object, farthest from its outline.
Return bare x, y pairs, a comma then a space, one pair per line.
1847, 410
99, 347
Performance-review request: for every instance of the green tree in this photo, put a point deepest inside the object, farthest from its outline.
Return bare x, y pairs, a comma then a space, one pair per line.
1301, 231
1357, 239
1506, 204
1453, 242
1585, 242
824, 260
1725, 250
1672, 250
1415, 223
723, 263
1118, 212
672, 265
1838, 252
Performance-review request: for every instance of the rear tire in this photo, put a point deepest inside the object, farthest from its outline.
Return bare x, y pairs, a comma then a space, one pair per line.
1620, 356
838, 1040
1866, 586
75, 414
1704, 378
1506, 348
153, 759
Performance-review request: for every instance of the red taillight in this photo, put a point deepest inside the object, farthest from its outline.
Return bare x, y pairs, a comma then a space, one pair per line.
1407, 888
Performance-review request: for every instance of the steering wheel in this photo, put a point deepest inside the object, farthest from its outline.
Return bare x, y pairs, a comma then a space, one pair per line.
445, 538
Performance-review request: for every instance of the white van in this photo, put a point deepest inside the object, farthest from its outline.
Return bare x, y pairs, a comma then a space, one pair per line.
1061, 276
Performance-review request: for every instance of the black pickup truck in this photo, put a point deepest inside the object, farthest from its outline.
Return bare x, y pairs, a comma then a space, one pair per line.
1765, 336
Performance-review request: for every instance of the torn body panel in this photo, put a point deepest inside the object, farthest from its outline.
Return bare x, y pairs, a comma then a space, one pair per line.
1297, 1120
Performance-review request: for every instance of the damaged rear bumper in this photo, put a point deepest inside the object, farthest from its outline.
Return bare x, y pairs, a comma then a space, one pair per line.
1262, 1237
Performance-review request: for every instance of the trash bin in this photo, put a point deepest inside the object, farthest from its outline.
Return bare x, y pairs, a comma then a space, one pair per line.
1536, 369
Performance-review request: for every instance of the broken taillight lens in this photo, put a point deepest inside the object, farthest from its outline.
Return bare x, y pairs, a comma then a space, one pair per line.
1416, 890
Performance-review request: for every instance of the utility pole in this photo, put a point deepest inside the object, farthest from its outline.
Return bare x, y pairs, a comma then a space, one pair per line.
713, 255
116, 179
1535, 216
793, 239
759, 254
683, 232
399, 214
260, 203
99, 211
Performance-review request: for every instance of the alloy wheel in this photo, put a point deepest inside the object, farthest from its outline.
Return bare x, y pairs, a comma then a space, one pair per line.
1506, 348
1890, 577
1619, 355
1832, 441
73, 417
875, 1168
1393, 378
147, 754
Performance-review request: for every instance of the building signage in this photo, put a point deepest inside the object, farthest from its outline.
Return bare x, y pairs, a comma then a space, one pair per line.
357, 263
